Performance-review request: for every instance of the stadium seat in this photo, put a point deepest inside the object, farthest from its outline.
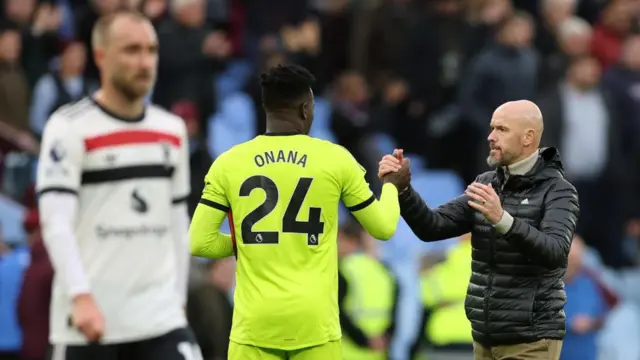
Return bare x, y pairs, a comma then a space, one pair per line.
235, 122
11, 215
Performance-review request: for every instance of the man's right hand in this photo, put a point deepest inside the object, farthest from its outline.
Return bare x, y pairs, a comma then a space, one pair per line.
87, 318
395, 169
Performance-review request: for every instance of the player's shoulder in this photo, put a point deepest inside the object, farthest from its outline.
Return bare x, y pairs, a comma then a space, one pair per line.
336, 151
166, 119
73, 111
325, 146
68, 119
237, 150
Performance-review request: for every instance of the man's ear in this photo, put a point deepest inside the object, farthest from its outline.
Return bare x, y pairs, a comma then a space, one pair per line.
304, 111
529, 136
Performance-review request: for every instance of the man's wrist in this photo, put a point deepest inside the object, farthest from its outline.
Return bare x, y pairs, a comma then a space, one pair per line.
506, 222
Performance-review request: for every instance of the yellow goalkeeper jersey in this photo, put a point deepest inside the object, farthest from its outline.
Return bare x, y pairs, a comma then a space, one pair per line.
282, 193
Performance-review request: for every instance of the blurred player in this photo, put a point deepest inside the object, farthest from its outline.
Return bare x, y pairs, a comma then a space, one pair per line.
112, 179
282, 191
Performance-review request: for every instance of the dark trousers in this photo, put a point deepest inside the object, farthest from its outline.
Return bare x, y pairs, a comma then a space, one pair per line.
9, 356
540, 350
175, 345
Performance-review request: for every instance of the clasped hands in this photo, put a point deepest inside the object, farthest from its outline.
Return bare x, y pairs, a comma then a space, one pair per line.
483, 198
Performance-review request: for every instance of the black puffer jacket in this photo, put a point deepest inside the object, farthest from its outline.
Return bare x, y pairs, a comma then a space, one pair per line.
516, 293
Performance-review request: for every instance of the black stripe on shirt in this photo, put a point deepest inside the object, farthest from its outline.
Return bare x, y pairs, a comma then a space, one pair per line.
363, 204
53, 189
179, 200
214, 205
126, 173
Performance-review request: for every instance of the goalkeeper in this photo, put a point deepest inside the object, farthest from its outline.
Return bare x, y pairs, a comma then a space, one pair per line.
281, 191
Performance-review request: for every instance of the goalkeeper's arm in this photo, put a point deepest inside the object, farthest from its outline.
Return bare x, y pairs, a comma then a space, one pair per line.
205, 237
380, 217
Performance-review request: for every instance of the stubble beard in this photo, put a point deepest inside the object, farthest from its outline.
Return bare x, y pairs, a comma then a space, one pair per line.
128, 91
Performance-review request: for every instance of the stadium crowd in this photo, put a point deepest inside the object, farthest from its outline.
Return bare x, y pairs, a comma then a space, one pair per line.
423, 75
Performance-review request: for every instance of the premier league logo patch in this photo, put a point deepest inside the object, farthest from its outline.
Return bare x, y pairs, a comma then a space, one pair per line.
57, 152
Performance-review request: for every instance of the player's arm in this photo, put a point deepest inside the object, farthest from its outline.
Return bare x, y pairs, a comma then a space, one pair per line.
180, 215
206, 239
378, 217
58, 182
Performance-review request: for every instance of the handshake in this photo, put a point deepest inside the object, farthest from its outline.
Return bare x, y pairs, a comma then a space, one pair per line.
395, 169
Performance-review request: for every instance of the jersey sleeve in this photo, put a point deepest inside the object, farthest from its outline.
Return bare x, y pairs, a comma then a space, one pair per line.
61, 157
356, 193
214, 193
206, 239
181, 175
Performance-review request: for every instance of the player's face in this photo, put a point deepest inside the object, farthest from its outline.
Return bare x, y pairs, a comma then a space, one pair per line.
505, 140
131, 57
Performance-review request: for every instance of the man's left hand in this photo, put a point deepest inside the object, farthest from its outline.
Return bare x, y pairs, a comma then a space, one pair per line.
486, 201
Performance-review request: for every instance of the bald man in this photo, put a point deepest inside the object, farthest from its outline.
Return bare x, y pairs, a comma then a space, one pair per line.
522, 216
112, 181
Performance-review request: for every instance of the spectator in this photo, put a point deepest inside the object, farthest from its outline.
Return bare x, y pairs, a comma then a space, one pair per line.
38, 28
35, 296
67, 84
506, 70
609, 32
190, 56
156, 10
353, 121
586, 308
14, 95
85, 20
200, 160
582, 120
623, 80
14, 89
574, 39
554, 13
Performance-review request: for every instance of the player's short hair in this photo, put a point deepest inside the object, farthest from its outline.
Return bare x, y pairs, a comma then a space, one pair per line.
100, 33
284, 86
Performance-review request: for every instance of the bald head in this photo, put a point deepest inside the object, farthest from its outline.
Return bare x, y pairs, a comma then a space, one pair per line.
523, 115
516, 130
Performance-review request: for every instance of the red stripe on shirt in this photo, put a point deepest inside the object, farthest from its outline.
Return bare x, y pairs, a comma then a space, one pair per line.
233, 235
129, 137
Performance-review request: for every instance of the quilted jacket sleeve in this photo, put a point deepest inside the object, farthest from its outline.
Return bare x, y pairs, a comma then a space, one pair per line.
551, 243
444, 222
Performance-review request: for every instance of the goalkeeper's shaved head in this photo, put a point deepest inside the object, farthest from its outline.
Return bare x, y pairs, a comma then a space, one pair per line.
287, 98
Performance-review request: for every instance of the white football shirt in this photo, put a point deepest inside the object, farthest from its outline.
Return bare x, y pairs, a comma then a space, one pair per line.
127, 176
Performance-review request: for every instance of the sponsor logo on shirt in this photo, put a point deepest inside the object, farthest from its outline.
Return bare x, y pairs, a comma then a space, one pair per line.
104, 232
138, 204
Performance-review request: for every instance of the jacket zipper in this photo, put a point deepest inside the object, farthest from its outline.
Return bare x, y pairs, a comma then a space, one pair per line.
490, 282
